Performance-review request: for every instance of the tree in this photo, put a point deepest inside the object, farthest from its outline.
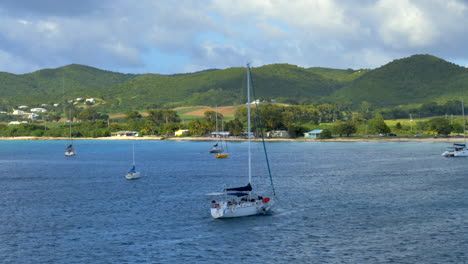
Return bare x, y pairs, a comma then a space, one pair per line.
210, 120
296, 130
132, 116
377, 125
133, 120
440, 125
344, 128
398, 126
325, 134
235, 127
195, 127
88, 114
271, 116
52, 116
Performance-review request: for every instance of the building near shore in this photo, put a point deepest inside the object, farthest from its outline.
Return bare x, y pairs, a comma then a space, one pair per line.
277, 134
181, 132
125, 134
219, 134
313, 134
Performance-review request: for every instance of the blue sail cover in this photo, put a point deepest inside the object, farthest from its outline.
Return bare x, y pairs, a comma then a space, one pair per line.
133, 170
238, 194
247, 188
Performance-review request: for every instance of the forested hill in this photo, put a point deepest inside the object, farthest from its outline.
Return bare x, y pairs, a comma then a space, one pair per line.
56, 85
416, 79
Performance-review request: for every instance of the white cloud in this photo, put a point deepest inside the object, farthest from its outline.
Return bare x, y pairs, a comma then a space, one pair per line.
404, 24
220, 33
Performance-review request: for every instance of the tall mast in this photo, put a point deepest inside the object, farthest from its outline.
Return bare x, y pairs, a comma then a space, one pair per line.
463, 114
248, 122
69, 122
216, 120
133, 151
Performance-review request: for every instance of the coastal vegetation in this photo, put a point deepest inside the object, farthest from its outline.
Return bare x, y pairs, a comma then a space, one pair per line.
420, 94
295, 119
403, 83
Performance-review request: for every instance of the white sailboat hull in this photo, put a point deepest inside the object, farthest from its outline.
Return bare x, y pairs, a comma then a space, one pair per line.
70, 153
132, 176
461, 153
216, 150
455, 152
223, 210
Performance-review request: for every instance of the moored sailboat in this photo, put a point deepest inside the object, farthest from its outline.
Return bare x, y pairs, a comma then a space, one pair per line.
223, 154
240, 201
70, 151
458, 149
216, 147
133, 174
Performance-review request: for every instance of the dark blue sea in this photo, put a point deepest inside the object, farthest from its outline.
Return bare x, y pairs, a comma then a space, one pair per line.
359, 202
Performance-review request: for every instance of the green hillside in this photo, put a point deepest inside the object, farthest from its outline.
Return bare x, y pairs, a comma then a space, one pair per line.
413, 80
338, 74
56, 85
416, 79
221, 87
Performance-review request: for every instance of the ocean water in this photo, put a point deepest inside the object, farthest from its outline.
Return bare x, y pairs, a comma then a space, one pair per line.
360, 202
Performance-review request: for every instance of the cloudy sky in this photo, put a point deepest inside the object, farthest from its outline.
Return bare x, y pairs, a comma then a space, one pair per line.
166, 36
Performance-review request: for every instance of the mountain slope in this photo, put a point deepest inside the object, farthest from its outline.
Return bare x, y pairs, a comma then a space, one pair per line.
222, 87
56, 85
416, 79
412, 80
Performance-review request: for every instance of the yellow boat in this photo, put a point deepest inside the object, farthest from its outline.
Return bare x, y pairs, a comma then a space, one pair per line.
221, 156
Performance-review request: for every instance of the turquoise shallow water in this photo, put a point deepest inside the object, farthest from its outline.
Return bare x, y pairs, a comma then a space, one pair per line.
361, 202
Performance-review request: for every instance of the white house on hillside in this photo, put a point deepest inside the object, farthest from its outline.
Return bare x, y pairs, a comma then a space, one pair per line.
33, 116
90, 100
17, 122
23, 107
18, 112
38, 110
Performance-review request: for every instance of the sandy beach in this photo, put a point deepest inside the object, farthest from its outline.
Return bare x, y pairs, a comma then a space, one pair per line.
340, 139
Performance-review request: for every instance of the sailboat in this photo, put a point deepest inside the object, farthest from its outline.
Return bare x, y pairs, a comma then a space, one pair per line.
240, 201
224, 154
216, 148
70, 151
458, 149
133, 174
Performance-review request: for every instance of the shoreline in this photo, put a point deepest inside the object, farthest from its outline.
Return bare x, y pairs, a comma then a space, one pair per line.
341, 139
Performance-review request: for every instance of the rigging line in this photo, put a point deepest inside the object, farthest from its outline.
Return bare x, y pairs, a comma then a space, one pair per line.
260, 127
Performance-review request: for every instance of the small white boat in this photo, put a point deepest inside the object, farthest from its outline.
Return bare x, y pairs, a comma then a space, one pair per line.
133, 174
216, 149
70, 151
457, 150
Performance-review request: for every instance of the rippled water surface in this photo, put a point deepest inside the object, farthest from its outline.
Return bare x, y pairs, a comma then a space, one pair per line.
337, 203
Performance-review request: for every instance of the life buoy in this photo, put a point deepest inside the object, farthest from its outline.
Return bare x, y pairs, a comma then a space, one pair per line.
265, 200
